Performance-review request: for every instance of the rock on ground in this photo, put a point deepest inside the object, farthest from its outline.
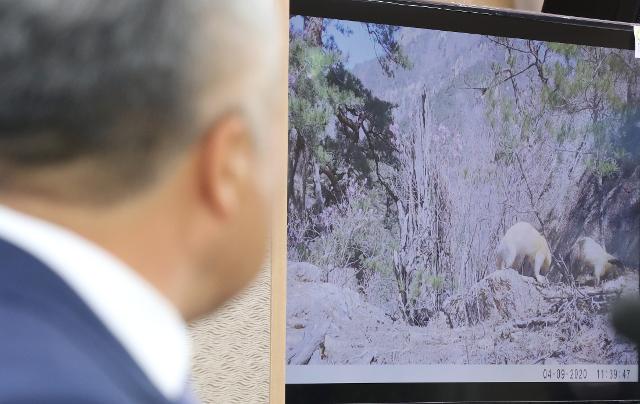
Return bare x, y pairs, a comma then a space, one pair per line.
318, 310
503, 295
302, 272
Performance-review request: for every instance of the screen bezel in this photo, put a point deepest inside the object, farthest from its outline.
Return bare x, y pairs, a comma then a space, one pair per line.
484, 21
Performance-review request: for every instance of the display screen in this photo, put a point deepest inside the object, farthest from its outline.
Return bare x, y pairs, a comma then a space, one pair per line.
461, 207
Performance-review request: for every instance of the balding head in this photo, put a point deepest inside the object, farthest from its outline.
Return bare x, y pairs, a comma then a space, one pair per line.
98, 97
134, 123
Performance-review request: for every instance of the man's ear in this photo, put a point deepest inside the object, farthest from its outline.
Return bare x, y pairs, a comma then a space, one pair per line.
226, 162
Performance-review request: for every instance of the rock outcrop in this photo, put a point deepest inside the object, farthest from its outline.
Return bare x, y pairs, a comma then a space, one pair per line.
303, 272
318, 310
610, 207
502, 296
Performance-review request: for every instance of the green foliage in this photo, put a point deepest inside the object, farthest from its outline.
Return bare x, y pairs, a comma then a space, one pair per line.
323, 92
354, 230
310, 96
566, 91
630, 141
392, 54
603, 168
431, 283
373, 118
437, 282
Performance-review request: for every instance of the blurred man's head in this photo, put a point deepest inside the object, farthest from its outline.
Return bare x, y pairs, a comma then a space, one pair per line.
144, 125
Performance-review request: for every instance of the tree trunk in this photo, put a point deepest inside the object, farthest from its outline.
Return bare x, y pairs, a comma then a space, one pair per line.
334, 181
318, 186
293, 168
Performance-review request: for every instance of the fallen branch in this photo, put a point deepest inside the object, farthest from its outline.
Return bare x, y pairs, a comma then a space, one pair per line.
537, 322
303, 352
554, 354
612, 293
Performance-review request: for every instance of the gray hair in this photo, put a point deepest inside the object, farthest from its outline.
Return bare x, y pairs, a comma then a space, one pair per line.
124, 85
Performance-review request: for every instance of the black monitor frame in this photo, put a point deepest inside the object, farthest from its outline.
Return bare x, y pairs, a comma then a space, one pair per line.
484, 21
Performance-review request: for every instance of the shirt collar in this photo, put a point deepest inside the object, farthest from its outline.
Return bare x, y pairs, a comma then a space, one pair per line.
144, 322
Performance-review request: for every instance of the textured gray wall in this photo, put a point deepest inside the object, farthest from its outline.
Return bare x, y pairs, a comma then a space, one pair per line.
231, 348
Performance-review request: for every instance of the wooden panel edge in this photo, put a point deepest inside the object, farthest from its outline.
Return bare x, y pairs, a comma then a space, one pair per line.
279, 233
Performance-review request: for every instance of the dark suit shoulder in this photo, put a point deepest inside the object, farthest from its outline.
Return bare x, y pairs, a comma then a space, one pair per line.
53, 347
39, 363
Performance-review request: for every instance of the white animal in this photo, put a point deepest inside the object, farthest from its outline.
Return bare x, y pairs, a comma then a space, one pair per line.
523, 242
587, 253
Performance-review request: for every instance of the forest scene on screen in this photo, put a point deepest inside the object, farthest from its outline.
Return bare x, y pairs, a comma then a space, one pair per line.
457, 198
